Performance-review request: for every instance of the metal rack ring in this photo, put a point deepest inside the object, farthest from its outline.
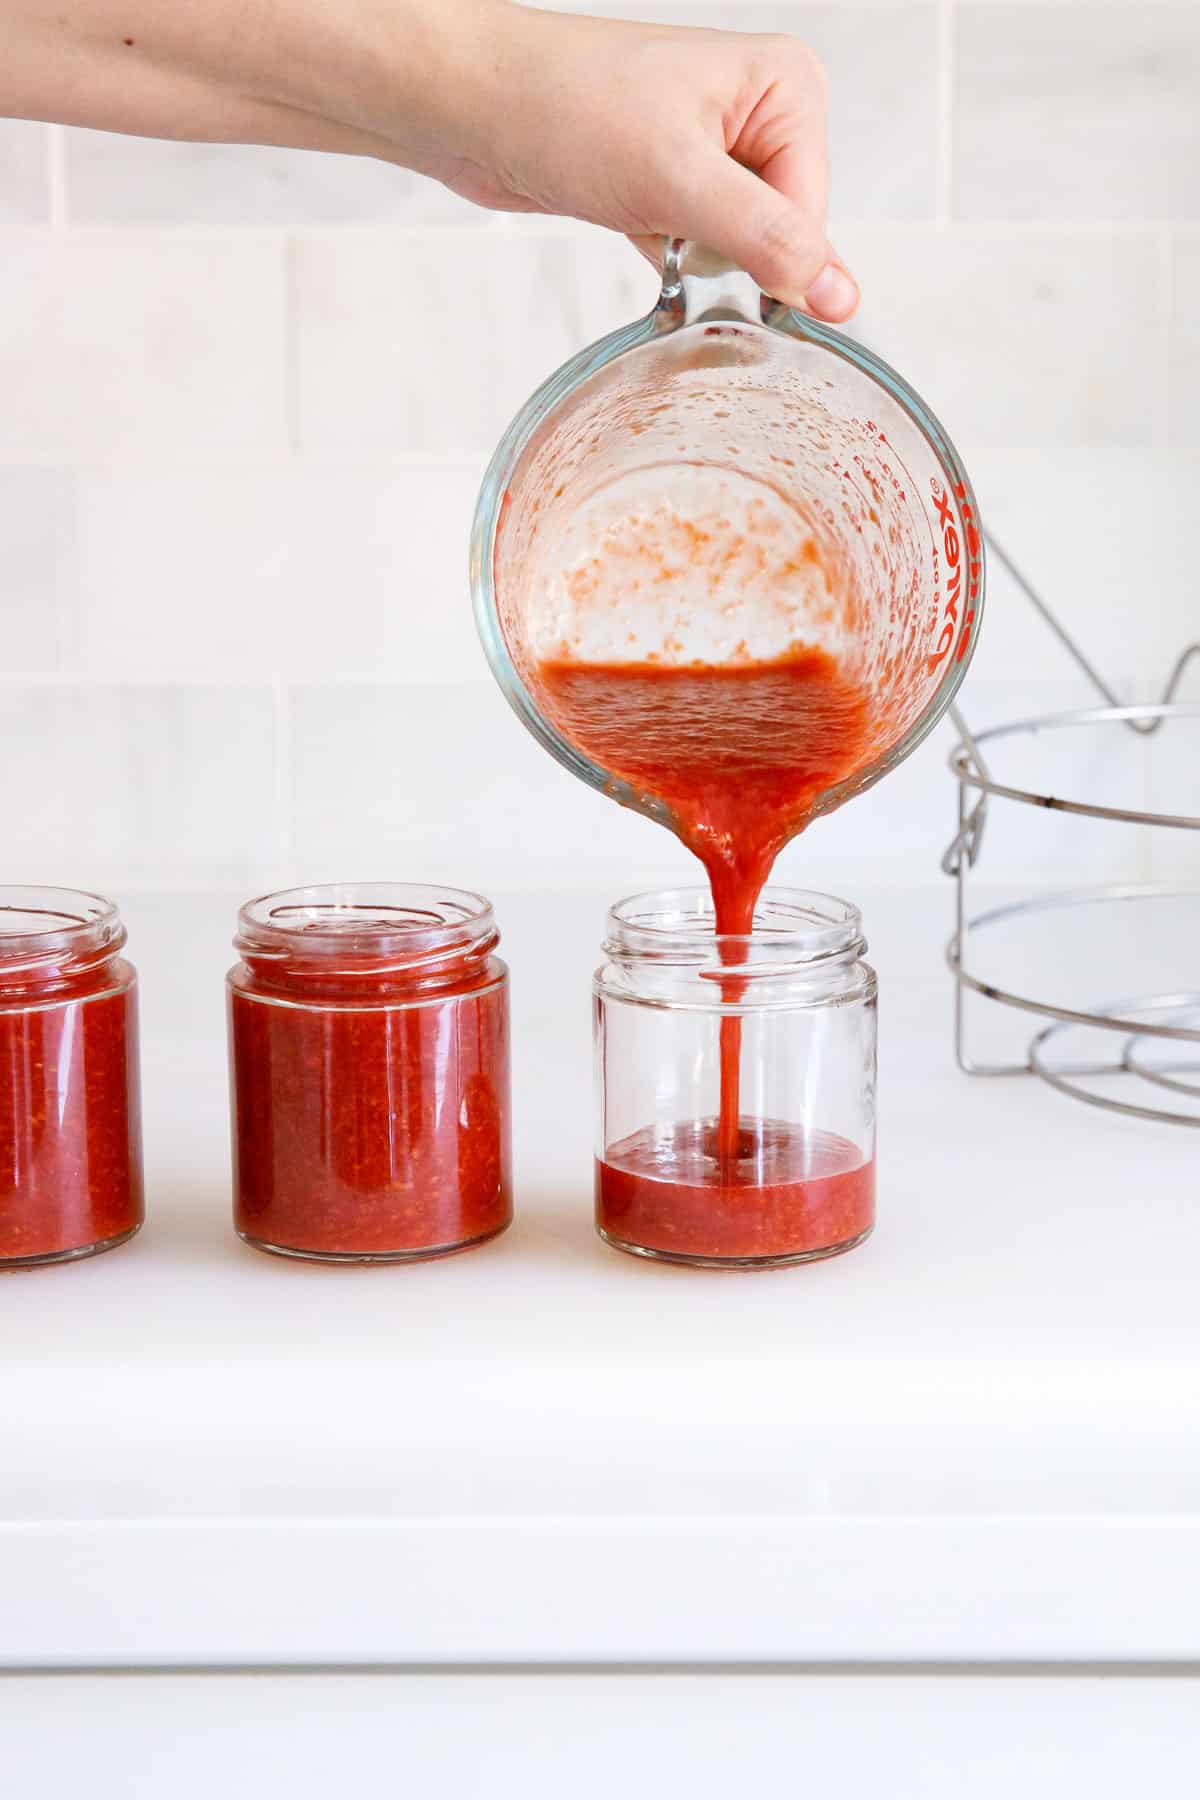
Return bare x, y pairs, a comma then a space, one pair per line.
1179, 1020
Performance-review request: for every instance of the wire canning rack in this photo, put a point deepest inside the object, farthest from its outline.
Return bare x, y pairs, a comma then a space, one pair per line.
1155, 1037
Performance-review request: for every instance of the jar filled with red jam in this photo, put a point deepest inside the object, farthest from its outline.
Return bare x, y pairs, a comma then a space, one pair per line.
735, 1081
70, 1103
369, 1067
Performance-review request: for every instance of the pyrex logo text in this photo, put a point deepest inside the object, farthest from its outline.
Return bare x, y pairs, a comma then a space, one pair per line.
956, 560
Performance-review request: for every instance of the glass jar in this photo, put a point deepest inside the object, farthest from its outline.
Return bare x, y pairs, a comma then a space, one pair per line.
369, 1065
735, 1081
70, 1103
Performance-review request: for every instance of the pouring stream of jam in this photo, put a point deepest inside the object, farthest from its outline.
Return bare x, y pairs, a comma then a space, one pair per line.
741, 754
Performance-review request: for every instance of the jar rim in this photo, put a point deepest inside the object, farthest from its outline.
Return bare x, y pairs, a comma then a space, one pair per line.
678, 925
40, 926
375, 924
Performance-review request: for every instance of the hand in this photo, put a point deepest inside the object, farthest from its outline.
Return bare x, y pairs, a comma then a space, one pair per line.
653, 130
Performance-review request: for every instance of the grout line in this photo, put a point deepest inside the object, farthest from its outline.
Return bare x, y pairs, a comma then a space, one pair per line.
203, 882
118, 679
220, 681
282, 797
468, 461
68, 598
560, 230
944, 178
291, 369
56, 176
385, 231
1166, 325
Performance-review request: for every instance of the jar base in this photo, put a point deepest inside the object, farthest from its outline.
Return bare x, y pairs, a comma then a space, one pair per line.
433, 1254
10, 1264
685, 1260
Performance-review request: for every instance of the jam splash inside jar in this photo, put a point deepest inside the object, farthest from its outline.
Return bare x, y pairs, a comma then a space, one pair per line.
796, 1181
369, 1064
70, 1103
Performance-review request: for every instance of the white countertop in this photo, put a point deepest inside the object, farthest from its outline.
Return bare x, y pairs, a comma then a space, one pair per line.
975, 1438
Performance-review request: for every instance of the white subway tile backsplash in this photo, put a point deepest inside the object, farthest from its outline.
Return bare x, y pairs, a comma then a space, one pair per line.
428, 343
443, 783
882, 66
440, 783
24, 172
110, 783
1018, 338
1077, 112
896, 831
117, 344
221, 473
37, 568
327, 571
883, 80
1183, 347
1107, 537
116, 180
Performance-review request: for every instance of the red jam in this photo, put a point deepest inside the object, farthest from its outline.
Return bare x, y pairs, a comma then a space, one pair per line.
370, 1074
741, 755
70, 1111
786, 1194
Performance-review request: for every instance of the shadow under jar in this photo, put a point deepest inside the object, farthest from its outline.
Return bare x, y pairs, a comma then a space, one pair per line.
369, 1067
780, 1025
70, 1101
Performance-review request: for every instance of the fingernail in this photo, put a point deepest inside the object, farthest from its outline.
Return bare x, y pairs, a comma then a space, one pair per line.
833, 293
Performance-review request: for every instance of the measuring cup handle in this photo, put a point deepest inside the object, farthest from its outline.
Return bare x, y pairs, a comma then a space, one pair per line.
682, 257
699, 283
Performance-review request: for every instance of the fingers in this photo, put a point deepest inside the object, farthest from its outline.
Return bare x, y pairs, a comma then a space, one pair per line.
786, 145
834, 294
778, 241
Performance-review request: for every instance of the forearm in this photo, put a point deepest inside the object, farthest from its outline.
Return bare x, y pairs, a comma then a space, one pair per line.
645, 129
353, 75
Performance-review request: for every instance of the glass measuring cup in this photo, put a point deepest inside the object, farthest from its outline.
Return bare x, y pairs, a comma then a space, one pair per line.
718, 484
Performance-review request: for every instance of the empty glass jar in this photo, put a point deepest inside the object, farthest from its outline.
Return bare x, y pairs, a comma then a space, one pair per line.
735, 1081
